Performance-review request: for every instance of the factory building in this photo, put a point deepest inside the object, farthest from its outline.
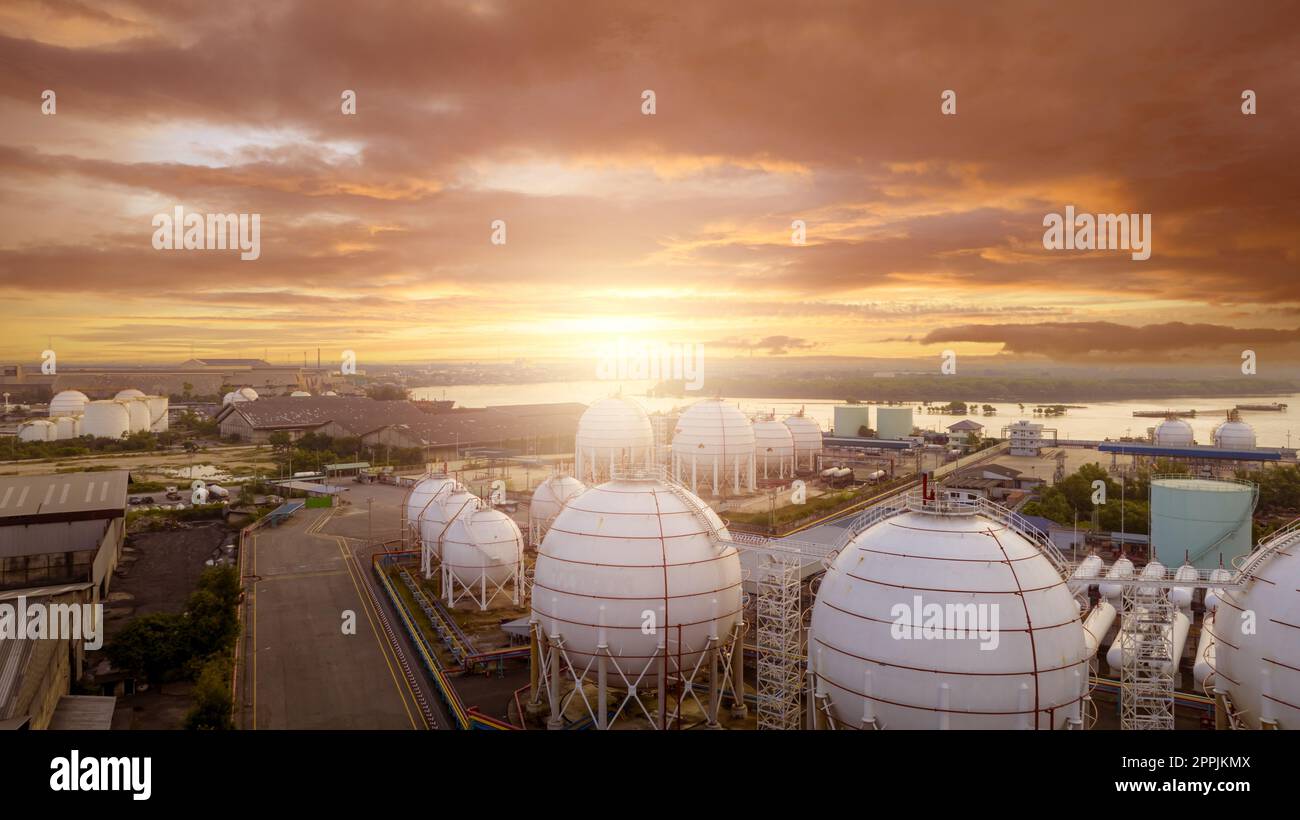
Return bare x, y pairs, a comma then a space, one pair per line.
60, 539
199, 377
1028, 438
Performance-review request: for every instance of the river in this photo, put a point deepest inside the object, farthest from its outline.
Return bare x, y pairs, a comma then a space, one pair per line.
1097, 420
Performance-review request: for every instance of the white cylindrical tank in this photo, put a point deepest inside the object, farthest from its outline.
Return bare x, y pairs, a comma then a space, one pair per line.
65, 427
1234, 434
1121, 569
68, 403
807, 435
1181, 597
774, 447
137, 414
547, 501
1015, 656
1257, 660
157, 413
106, 419
1201, 519
713, 448
482, 546
37, 430
1174, 432
629, 546
612, 432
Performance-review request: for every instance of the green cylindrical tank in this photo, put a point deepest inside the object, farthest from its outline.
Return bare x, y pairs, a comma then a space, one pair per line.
850, 418
1201, 518
893, 422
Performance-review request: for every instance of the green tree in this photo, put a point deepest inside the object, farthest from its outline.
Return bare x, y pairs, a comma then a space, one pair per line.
152, 645
212, 700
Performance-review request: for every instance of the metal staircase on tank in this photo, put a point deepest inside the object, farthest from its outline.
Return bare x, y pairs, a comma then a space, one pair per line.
1147, 664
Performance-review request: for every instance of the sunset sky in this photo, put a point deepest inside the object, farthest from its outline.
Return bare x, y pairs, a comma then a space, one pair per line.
924, 231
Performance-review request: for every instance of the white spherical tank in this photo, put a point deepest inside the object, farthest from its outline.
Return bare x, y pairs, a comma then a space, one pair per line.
245, 394
774, 448
1013, 653
1174, 432
1234, 434
1258, 659
549, 498
807, 435
37, 430
714, 448
106, 419
612, 433
424, 494
157, 413
627, 547
482, 545
68, 403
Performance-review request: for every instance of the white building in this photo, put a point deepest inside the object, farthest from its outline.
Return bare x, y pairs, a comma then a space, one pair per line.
1026, 438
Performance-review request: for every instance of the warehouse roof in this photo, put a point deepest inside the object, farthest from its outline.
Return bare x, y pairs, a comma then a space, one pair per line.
966, 424
64, 497
356, 414
51, 537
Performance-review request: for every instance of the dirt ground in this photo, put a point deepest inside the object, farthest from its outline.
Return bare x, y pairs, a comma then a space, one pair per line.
159, 570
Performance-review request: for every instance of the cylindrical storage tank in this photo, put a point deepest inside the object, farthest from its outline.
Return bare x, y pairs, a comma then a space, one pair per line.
1173, 432
229, 398
157, 413
893, 423
1257, 660
65, 427
713, 447
1013, 655
68, 403
1201, 518
547, 501
1122, 569
774, 449
245, 394
37, 430
482, 545
137, 414
106, 419
807, 435
851, 418
612, 432
1234, 434
629, 546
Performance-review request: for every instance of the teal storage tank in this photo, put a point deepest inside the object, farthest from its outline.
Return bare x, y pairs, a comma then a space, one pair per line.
1201, 518
893, 423
850, 418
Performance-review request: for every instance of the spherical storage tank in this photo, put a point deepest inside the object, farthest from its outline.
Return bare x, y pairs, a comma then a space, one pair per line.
1234, 434
106, 419
482, 545
1174, 432
431, 505
625, 547
1260, 666
612, 432
37, 430
714, 447
774, 449
807, 435
68, 403
548, 499
1016, 657
1201, 519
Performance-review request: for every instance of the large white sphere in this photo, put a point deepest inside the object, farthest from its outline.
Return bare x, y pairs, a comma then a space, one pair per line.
712, 429
627, 547
613, 432
482, 543
1258, 659
807, 435
551, 496
1174, 433
106, 419
68, 403
773, 439
425, 493
245, 394
1035, 675
1234, 435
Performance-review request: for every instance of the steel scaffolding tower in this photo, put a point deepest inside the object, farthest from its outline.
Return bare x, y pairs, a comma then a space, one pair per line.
1148, 664
778, 633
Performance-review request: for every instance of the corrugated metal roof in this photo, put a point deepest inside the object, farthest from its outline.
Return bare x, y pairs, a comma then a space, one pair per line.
51, 537
68, 496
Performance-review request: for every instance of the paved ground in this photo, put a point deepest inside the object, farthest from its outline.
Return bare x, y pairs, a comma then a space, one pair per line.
300, 671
